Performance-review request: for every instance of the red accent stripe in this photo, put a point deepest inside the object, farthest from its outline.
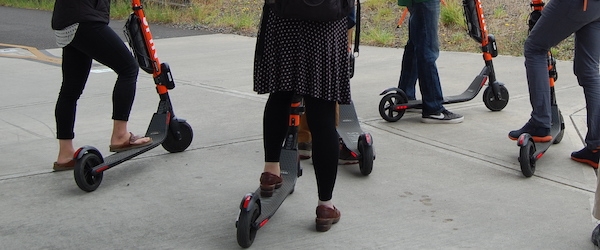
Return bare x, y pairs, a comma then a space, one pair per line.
263, 223
102, 169
537, 157
247, 201
484, 79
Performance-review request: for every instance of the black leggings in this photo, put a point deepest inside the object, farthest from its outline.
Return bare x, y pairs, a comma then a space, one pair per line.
99, 42
320, 116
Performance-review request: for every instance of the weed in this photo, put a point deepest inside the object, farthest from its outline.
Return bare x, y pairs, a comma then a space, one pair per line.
451, 13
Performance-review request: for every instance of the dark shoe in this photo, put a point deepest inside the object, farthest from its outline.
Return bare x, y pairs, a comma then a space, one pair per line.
268, 183
326, 217
596, 236
537, 134
305, 150
347, 157
442, 117
587, 156
70, 165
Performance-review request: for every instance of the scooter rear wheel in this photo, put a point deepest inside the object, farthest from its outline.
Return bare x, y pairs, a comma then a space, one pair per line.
561, 133
365, 162
527, 159
173, 145
490, 100
246, 228
84, 178
387, 104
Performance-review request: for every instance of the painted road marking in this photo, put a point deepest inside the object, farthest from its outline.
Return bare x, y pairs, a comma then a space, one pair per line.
34, 54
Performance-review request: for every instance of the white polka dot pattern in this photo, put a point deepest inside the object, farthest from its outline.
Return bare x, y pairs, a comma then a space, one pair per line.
310, 58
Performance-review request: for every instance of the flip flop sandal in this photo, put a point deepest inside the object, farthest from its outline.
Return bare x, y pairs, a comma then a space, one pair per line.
129, 144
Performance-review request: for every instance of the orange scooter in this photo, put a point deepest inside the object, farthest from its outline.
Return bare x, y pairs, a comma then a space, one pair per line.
173, 133
394, 102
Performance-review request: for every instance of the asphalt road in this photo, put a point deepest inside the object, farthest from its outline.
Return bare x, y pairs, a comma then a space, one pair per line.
32, 28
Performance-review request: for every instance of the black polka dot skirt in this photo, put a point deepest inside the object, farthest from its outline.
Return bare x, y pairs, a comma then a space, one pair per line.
309, 58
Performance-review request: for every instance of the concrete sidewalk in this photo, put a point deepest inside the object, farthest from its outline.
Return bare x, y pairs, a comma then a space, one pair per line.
432, 186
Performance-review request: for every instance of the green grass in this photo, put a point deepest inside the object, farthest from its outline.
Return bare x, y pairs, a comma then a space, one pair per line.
378, 36
451, 14
499, 12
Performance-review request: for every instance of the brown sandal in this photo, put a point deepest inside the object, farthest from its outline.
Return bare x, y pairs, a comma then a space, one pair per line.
70, 165
129, 144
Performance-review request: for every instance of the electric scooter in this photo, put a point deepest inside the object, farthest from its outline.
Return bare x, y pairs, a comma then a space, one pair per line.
165, 129
359, 143
255, 210
394, 102
531, 151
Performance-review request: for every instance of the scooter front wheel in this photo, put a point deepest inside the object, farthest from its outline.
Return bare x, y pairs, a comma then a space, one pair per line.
173, 145
85, 179
246, 224
561, 133
365, 162
493, 103
527, 159
388, 106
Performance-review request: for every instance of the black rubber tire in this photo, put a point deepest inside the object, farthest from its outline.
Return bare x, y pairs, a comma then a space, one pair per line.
526, 158
246, 231
85, 180
365, 162
175, 146
387, 102
561, 133
490, 101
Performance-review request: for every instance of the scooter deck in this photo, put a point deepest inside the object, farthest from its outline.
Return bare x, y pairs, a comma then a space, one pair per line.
467, 95
157, 130
348, 128
289, 172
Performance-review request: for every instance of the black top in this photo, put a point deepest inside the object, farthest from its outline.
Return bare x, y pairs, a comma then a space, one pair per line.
68, 12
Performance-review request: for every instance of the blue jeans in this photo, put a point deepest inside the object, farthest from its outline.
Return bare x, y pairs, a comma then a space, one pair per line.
420, 54
560, 19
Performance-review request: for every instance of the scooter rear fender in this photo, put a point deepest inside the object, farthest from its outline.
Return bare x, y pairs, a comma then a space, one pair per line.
390, 90
524, 139
87, 149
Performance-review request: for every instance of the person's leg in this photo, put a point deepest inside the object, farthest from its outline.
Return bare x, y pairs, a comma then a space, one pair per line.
75, 70
554, 26
585, 66
424, 35
321, 120
408, 73
275, 124
101, 43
